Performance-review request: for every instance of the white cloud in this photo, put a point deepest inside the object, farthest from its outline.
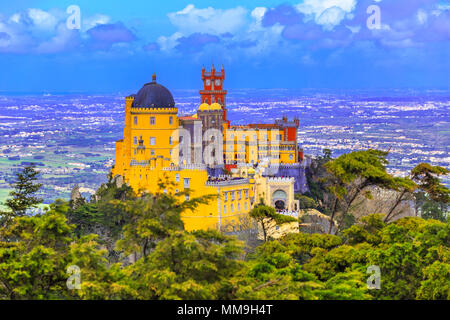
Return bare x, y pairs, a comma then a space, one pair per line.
42, 19
331, 17
327, 12
42, 32
63, 40
95, 20
208, 20
168, 43
258, 13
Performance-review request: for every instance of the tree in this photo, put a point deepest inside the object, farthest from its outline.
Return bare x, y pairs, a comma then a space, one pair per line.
405, 188
189, 265
435, 284
35, 253
34, 256
433, 210
305, 202
24, 193
151, 218
434, 198
427, 178
267, 216
350, 175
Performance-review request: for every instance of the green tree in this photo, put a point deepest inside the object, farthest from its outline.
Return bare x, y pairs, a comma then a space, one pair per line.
189, 265
305, 202
267, 216
351, 175
36, 251
151, 218
24, 193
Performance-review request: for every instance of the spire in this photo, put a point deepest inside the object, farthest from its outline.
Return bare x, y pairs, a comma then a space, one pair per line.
154, 77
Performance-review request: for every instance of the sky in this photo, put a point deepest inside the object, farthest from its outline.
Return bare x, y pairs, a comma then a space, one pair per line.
323, 44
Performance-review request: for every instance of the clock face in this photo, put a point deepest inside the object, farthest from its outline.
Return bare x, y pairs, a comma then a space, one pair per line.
217, 82
208, 82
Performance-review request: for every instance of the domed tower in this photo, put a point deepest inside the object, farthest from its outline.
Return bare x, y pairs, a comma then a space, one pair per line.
151, 126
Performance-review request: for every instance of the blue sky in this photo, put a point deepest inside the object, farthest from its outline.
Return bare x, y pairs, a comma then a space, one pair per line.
262, 44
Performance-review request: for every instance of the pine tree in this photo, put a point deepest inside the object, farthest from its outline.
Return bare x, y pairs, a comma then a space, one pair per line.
23, 197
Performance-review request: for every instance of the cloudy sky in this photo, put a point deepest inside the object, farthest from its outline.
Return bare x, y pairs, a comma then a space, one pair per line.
334, 44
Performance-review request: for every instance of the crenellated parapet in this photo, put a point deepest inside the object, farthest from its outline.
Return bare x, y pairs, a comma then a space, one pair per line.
186, 167
154, 110
227, 182
280, 179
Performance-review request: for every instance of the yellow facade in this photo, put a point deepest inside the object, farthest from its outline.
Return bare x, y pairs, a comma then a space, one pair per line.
149, 154
244, 144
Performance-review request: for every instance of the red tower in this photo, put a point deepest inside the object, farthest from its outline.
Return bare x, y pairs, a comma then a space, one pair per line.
213, 88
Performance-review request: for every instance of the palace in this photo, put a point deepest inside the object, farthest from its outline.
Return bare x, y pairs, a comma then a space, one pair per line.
206, 154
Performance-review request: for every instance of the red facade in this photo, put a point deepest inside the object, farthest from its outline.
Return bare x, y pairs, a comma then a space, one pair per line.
213, 88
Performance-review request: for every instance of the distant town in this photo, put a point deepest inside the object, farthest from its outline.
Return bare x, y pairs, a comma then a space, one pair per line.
70, 138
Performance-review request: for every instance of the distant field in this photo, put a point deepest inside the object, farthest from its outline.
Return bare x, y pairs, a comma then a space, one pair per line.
3, 195
83, 128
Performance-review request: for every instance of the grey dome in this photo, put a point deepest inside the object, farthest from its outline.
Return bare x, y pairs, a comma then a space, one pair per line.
153, 95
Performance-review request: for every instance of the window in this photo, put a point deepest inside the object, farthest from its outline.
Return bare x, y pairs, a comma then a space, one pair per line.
134, 151
180, 139
135, 120
246, 193
177, 177
245, 206
140, 176
231, 208
240, 194
135, 140
176, 190
152, 141
170, 120
243, 137
226, 196
186, 182
186, 197
170, 140
152, 120
152, 152
291, 157
232, 195
225, 209
239, 207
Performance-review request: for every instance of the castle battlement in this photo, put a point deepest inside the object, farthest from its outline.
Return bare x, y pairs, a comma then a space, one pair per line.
186, 167
153, 110
280, 180
228, 182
